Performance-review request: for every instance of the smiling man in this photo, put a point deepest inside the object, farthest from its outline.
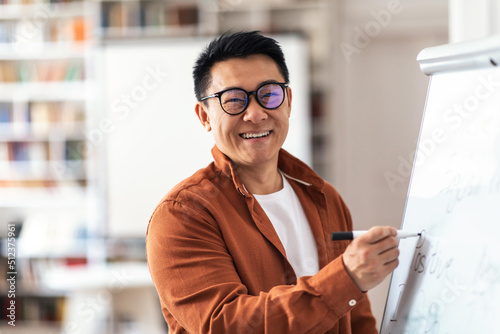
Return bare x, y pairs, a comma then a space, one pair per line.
243, 245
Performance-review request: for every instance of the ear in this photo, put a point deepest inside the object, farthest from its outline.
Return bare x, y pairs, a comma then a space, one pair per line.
202, 113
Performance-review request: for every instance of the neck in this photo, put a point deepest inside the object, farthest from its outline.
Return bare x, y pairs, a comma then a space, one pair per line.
261, 181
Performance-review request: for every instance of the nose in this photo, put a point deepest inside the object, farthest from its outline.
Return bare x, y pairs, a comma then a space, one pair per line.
254, 112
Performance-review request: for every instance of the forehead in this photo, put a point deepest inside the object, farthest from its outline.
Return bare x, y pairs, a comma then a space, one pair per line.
246, 73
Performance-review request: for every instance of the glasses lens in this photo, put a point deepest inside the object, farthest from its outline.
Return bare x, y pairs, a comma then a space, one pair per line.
233, 101
271, 96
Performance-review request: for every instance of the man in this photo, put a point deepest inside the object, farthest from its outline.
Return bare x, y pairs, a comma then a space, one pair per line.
243, 245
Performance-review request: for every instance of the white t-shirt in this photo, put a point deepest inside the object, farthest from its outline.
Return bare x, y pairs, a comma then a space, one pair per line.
290, 222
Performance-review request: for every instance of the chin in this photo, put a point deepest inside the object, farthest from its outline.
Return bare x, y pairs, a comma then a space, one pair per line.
260, 159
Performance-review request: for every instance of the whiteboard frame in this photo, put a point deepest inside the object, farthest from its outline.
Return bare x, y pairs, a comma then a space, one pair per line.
453, 57
460, 56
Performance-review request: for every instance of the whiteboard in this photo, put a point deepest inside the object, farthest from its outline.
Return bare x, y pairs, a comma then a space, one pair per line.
152, 136
448, 281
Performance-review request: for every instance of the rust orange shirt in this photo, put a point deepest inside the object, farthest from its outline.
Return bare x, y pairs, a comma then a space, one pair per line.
219, 266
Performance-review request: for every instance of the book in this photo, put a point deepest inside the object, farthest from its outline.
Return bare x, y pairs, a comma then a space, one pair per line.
153, 14
42, 70
19, 151
40, 115
8, 72
79, 29
5, 112
74, 150
4, 157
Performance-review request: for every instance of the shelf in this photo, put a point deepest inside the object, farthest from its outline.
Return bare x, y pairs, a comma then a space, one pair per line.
57, 252
46, 53
266, 6
98, 276
148, 18
135, 32
30, 328
63, 196
51, 249
41, 131
51, 10
44, 91
41, 172
30, 290
44, 50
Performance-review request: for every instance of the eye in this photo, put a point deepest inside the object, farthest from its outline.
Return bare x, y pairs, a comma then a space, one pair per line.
234, 96
271, 95
268, 94
270, 90
234, 100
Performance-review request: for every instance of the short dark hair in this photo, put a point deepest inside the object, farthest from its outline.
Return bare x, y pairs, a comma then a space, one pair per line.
235, 45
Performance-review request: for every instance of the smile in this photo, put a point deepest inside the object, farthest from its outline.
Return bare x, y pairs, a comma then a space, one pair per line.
255, 135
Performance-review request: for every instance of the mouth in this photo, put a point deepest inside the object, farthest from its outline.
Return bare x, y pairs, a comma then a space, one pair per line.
255, 135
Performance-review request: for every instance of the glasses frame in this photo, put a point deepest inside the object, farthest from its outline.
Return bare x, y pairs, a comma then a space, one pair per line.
283, 85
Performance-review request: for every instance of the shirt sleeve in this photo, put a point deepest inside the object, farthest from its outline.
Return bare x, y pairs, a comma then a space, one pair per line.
199, 286
362, 320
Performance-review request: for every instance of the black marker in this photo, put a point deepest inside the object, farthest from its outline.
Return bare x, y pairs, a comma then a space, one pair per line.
354, 234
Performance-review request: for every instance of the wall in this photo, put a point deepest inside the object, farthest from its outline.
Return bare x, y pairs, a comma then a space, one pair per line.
150, 123
473, 19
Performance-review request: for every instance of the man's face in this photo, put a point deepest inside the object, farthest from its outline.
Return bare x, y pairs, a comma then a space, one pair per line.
230, 130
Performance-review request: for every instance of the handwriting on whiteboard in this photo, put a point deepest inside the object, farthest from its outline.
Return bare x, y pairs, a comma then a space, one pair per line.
437, 287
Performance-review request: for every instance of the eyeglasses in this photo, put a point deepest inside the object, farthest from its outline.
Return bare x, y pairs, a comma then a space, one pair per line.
234, 101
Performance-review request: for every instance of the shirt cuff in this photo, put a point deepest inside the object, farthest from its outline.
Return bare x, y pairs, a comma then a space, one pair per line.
336, 288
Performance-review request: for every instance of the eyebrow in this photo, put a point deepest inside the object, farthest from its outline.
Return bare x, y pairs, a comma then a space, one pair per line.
259, 85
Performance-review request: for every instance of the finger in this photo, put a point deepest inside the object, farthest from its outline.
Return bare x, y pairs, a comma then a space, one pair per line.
377, 233
389, 256
386, 244
390, 266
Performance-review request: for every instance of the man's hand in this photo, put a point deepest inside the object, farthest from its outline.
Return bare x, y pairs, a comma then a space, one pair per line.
371, 257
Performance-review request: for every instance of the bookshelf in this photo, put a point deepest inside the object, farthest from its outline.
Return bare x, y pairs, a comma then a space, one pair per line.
148, 18
43, 65
51, 172
45, 169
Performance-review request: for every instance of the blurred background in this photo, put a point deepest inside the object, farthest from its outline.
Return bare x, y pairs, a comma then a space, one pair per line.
97, 123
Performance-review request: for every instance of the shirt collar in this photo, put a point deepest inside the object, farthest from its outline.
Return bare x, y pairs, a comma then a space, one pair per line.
292, 167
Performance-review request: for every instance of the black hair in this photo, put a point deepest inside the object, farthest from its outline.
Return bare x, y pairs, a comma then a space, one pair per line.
235, 45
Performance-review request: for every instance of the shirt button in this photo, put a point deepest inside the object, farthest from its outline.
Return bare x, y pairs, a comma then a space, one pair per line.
352, 302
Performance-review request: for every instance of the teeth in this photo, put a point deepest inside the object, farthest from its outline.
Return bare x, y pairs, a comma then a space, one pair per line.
255, 135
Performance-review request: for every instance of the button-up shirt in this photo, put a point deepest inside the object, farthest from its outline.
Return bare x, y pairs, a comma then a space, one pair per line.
219, 266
